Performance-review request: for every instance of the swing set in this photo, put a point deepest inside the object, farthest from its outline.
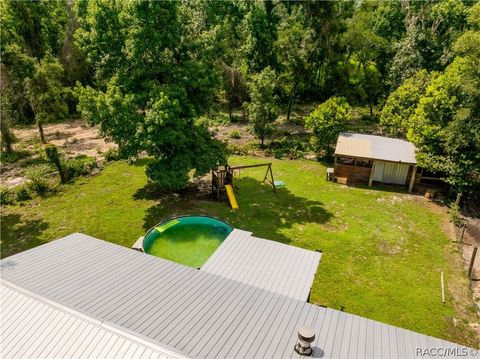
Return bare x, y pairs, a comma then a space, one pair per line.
222, 179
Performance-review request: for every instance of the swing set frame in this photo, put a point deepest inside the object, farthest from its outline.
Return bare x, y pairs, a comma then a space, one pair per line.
224, 175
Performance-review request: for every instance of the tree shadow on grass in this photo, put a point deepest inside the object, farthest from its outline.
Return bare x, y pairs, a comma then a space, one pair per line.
261, 211
18, 234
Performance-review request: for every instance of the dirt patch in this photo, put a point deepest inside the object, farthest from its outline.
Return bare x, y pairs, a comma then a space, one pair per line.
240, 134
393, 199
391, 248
74, 138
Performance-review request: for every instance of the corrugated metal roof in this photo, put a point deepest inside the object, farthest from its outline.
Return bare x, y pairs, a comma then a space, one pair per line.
375, 147
31, 327
197, 313
270, 265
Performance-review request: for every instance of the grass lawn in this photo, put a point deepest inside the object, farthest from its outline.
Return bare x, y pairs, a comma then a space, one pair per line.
383, 251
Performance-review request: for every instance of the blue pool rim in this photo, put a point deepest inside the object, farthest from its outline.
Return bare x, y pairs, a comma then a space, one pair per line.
178, 217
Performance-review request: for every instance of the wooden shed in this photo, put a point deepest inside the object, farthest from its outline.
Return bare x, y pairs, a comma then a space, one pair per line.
370, 159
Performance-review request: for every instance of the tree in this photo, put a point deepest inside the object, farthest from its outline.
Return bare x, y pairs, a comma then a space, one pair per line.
440, 113
295, 48
407, 60
261, 26
363, 47
153, 66
446, 124
8, 138
30, 30
262, 110
45, 93
431, 28
326, 122
402, 103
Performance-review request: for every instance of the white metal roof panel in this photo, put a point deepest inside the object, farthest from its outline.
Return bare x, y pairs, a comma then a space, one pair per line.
375, 147
32, 327
270, 265
194, 312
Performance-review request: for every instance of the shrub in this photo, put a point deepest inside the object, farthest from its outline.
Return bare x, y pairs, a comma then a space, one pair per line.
235, 134
36, 175
21, 193
52, 155
326, 122
29, 162
292, 149
111, 155
454, 213
11, 157
238, 150
7, 196
79, 166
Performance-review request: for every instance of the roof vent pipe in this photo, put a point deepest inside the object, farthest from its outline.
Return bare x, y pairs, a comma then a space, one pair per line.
306, 335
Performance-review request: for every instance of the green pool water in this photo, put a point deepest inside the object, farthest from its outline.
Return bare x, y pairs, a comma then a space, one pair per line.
188, 240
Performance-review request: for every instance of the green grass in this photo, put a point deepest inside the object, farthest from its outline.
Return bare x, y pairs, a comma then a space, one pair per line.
383, 251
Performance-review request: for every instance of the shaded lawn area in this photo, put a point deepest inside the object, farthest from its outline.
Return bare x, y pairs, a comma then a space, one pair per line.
383, 251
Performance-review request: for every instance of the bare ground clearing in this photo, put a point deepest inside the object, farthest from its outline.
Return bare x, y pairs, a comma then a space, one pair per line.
74, 137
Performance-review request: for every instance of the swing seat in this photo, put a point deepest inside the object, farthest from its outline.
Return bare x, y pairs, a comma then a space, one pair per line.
279, 184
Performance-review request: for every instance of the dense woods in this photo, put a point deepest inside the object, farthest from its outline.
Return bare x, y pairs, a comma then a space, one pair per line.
145, 71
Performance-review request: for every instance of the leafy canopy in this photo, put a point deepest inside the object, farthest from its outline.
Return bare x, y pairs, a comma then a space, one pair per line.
326, 122
45, 92
440, 113
152, 65
262, 110
402, 102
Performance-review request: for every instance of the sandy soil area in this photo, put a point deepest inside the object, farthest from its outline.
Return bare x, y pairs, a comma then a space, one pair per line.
73, 138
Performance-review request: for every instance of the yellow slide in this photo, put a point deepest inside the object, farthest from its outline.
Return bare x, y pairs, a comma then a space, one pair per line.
231, 196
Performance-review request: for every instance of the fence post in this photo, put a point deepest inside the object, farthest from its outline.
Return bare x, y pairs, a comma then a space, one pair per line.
457, 201
472, 261
463, 232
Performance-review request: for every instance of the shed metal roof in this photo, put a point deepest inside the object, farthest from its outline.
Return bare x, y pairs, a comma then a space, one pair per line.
270, 265
197, 313
32, 327
375, 147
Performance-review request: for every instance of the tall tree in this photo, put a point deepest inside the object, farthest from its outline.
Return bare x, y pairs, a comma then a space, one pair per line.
363, 47
45, 92
294, 46
262, 110
30, 30
440, 113
153, 62
431, 28
402, 103
261, 25
8, 138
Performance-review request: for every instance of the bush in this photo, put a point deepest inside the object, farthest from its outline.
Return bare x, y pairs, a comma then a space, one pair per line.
52, 155
292, 149
7, 196
235, 134
79, 166
22, 193
326, 122
238, 150
33, 162
11, 157
111, 155
36, 175
454, 213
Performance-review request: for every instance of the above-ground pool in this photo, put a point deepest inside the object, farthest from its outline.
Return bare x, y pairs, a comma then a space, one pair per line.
188, 240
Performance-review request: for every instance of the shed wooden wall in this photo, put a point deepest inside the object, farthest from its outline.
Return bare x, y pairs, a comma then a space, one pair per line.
353, 173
